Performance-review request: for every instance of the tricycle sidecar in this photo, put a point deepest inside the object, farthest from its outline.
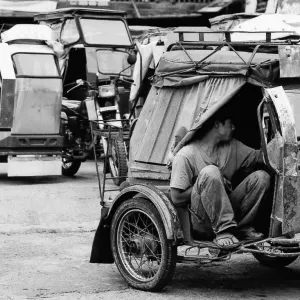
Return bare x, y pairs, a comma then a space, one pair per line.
141, 230
95, 68
30, 106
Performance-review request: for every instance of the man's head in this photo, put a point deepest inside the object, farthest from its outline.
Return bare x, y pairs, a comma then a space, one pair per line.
223, 123
220, 125
224, 129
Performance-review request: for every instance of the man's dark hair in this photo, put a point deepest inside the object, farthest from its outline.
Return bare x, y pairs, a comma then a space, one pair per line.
224, 113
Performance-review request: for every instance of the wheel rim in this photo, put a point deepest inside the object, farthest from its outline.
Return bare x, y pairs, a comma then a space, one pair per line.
139, 245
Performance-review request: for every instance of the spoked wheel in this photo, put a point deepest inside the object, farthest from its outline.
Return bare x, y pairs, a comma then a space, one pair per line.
140, 248
118, 161
70, 168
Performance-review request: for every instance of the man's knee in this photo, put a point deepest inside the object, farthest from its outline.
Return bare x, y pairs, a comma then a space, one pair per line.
210, 172
209, 176
261, 179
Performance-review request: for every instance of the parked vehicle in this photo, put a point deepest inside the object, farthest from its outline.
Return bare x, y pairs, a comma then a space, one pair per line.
30, 106
102, 104
140, 229
96, 66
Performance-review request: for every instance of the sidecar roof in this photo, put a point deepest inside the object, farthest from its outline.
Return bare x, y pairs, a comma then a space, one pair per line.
175, 66
59, 14
34, 32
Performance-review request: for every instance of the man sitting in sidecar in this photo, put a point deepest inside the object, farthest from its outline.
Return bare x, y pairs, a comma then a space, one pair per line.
202, 172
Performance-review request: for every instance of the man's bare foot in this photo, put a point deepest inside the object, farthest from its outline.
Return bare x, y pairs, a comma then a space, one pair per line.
226, 240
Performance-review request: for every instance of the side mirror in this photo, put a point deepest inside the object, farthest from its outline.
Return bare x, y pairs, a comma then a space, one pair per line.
131, 59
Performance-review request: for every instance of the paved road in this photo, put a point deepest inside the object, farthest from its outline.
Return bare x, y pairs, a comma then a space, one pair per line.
46, 231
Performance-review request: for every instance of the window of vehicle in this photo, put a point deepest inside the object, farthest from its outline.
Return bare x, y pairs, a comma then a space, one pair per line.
113, 62
69, 33
35, 64
105, 32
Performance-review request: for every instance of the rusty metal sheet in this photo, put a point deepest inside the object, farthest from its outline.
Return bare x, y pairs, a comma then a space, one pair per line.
289, 60
293, 94
285, 217
288, 129
291, 204
38, 106
7, 103
277, 209
275, 152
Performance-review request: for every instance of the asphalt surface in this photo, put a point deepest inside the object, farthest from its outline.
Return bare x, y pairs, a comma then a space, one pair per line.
46, 232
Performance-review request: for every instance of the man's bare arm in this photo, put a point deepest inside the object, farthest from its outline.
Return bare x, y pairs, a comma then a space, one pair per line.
181, 197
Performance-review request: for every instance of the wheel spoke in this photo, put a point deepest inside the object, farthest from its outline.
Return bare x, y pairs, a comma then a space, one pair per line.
152, 252
130, 232
152, 272
140, 230
125, 241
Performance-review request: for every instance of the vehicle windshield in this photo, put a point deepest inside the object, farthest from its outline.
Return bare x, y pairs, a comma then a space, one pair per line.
113, 62
40, 65
105, 32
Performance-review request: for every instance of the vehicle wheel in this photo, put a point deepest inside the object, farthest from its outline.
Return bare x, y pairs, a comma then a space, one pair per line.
274, 262
140, 248
118, 161
70, 168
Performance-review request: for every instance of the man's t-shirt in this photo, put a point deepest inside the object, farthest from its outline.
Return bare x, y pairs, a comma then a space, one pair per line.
191, 159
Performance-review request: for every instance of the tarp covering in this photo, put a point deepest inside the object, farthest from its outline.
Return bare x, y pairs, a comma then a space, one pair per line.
288, 24
227, 22
172, 108
215, 93
208, 85
175, 66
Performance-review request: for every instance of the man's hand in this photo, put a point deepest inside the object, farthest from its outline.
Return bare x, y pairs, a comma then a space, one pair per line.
170, 160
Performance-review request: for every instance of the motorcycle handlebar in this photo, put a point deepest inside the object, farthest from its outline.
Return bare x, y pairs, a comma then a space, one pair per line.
78, 82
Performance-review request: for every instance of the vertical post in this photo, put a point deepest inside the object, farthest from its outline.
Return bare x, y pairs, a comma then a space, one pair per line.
272, 6
228, 36
136, 10
96, 162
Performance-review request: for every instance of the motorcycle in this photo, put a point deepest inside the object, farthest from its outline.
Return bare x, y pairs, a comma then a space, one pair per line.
101, 104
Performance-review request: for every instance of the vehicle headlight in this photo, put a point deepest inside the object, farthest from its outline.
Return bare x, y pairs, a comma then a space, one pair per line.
106, 91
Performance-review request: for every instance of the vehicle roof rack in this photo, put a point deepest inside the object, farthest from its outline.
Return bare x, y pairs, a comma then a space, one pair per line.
203, 41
